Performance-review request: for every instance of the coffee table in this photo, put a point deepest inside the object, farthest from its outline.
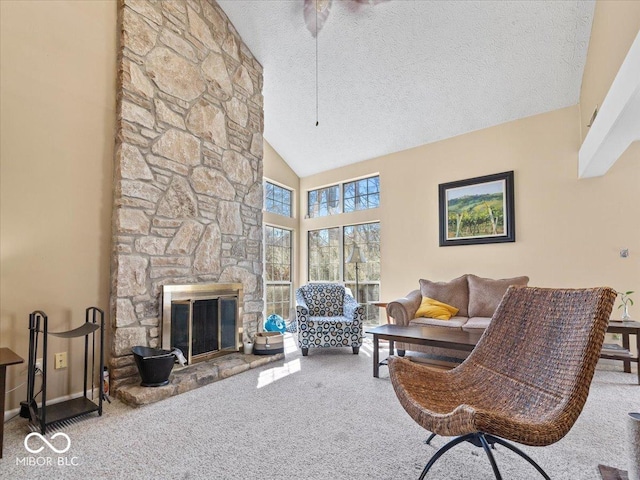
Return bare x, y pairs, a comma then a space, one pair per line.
454, 338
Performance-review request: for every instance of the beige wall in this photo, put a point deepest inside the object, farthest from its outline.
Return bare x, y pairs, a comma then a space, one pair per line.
615, 26
57, 127
569, 231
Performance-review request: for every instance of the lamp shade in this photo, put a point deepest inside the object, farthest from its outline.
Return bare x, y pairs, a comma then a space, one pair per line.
356, 256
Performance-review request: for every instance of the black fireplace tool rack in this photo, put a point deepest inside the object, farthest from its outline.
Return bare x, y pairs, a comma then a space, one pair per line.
52, 414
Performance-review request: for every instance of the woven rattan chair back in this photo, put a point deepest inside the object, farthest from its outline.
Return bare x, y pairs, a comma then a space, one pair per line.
538, 356
528, 377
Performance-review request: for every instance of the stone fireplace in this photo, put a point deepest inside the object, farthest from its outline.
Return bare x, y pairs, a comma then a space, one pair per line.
187, 205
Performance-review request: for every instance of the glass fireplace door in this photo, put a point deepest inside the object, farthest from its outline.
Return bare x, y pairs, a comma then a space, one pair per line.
228, 309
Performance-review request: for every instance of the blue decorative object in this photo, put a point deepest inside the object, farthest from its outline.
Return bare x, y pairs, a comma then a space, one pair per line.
275, 323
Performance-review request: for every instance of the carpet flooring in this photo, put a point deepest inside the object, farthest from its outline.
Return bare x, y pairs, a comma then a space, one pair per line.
318, 417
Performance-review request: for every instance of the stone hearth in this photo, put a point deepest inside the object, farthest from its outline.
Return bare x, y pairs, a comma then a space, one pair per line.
194, 376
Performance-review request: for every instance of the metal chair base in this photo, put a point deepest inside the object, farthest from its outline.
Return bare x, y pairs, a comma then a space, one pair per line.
475, 442
486, 441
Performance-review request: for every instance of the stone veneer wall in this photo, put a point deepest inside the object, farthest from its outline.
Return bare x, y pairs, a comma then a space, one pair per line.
188, 177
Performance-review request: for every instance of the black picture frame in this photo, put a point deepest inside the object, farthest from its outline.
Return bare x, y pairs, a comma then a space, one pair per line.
477, 210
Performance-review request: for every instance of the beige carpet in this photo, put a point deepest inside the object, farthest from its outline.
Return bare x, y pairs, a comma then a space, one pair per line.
318, 417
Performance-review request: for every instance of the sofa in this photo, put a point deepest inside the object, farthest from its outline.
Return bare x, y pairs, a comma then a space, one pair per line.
475, 299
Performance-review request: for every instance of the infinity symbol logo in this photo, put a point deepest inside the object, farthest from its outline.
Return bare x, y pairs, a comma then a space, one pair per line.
41, 437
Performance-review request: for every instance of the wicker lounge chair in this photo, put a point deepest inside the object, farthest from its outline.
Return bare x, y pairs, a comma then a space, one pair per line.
526, 381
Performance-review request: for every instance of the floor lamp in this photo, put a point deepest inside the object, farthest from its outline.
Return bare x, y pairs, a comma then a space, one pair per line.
356, 257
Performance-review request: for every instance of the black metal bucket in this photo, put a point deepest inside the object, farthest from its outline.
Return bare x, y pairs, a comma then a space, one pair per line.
154, 365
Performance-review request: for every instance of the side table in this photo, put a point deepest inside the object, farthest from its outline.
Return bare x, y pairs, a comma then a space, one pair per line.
383, 305
7, 357
625, 328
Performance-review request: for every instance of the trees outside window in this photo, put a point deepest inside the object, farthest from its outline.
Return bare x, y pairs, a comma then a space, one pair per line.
361, 194
324, 255
367, 238
323, 201
277, 199
327, 250
278, 257
356, 195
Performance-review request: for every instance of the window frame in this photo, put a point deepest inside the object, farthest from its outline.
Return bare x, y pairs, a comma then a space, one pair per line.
326, 192
363, 247
276, 185
267, 281
338, 248
371, 310
340, 207
357, 196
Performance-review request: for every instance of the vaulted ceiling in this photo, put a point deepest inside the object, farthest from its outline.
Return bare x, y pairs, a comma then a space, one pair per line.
396, 74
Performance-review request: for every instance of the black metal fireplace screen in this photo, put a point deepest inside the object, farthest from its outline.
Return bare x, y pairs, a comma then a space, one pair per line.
202, 320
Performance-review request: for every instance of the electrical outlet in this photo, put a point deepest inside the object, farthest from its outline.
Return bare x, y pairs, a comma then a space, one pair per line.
39, 364
60, 360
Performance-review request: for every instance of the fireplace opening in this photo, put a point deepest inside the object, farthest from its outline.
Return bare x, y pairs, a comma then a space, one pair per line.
202, 320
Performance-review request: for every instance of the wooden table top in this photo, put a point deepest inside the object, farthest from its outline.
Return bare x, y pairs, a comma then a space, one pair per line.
9, 357
623, 325
380, 304
440, 334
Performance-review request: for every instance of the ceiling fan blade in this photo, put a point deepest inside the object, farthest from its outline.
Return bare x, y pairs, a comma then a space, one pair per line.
313, 9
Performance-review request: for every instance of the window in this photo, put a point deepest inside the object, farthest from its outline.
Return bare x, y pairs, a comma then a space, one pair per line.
278, 270
362, 194
324, 201
357, 195
277, 199
367, 238
324, 255
327, 250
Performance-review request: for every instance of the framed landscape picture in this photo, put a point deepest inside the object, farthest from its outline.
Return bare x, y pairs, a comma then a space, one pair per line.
477, 210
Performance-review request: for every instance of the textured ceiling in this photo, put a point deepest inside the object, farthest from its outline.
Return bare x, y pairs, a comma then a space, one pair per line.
404, 73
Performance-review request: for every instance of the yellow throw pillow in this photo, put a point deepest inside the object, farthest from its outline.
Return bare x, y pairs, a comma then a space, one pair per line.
431, 308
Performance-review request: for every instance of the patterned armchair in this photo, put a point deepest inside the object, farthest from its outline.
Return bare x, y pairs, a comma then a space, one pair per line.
328, 317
